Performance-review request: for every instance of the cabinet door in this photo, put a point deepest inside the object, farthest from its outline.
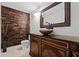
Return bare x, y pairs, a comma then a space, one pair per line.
49, 51
34, 46
74, 50
75, 54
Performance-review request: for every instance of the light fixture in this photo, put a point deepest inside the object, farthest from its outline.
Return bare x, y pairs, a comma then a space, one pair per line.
37, 14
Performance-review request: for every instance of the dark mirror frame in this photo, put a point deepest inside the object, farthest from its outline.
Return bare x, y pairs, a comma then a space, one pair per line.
67, 16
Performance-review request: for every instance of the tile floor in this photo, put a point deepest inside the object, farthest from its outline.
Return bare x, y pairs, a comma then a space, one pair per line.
15, 51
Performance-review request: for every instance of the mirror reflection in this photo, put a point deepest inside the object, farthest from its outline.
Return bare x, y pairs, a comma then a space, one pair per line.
54, 15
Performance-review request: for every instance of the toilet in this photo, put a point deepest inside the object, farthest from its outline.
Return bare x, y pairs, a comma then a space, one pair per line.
24, 44
25, 47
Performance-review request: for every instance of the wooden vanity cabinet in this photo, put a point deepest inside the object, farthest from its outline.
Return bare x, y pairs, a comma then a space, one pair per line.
35, 46
51, 51
74, 50
45, 46
75, 54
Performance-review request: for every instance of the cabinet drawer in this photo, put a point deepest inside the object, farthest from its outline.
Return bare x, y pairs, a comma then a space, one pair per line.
57, 43
52, 51
75, 54
36, 38
74, 47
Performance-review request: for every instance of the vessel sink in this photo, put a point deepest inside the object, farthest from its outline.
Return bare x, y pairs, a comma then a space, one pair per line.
45, 31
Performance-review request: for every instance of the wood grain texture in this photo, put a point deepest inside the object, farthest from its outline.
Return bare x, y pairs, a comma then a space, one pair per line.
52, 46
35, 46
15, 25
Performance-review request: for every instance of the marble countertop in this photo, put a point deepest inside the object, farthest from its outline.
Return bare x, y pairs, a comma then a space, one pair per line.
62, 37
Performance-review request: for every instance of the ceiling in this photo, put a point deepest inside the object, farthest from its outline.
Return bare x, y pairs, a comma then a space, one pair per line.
26, 6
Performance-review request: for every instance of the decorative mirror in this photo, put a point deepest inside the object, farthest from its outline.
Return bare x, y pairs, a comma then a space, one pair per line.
56, 14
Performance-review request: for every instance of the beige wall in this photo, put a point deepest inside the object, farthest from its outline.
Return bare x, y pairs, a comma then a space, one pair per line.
73, 30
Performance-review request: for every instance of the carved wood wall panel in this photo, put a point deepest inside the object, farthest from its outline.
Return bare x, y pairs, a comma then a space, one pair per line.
15, 26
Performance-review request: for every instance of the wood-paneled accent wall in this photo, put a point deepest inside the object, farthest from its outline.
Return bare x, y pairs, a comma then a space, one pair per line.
15, 26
